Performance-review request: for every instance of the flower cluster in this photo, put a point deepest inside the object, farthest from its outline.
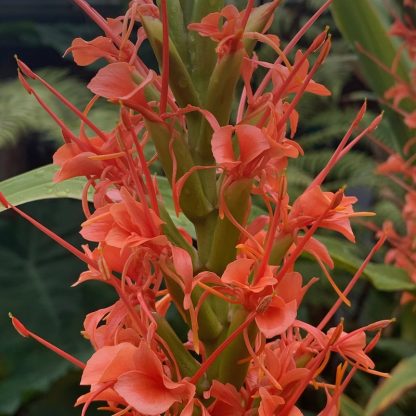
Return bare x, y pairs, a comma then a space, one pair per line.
400, 166
231, 277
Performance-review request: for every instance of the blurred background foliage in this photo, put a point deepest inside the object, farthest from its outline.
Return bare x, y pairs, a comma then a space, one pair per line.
36, 275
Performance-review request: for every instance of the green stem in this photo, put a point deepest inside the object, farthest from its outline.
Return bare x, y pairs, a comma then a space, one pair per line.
192, 199
175, 237
209, 325
226, 235
187, 364
231, 370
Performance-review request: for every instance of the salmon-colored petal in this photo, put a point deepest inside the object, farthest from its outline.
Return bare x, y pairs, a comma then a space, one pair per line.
98, 225
319, 250
290, 287
147, 389
252, 141
113, 81
87, 52
108, 363
237, 272
183, 267
222, 146
79, 165
65, 152
269, 402
317, 89
148, 396
277, 318
226, 393
108, 395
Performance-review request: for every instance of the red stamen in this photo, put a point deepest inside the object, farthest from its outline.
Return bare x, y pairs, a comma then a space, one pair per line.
23, 331
291, 45
138, 183
298, 250
27, 71
66, 132
211, 359
336, 155
97, 392
145, 168
49, 233
352, 283
322, 55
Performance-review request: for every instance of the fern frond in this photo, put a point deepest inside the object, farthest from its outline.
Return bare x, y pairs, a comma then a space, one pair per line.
21, 113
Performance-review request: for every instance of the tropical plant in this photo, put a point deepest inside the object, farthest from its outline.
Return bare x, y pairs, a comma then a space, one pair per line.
230, 275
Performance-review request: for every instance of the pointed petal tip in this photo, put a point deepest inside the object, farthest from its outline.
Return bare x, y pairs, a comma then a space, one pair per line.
18, 326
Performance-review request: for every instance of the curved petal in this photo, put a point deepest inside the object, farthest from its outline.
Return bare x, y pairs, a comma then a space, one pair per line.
277, 318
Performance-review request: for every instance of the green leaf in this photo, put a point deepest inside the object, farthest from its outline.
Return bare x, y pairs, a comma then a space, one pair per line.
35, 278
181, 220
350, 408
396, 347
388, 278
383, 277
360, 23
403, 378
37, 184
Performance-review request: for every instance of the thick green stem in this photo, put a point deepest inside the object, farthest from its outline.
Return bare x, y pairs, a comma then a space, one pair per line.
280, 247
203, 55
175, 237
231, 370
209, 325
226, 234
203, 229
177, 29
187, 364
219, 99
192, 199
179, 78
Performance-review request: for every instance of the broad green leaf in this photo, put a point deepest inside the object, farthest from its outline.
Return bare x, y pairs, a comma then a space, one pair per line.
397, 347
37, 184
360, 23
181, 220
350, 408
403, 378
388, 278
35, 280
383, 277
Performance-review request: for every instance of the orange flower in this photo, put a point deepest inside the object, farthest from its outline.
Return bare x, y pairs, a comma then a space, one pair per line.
314, 202
137, 376
125, 224
255, 147
276, 302
87, 52
225, 25
115, 82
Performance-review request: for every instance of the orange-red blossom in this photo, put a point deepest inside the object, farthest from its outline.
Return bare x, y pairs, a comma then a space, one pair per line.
242, 314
